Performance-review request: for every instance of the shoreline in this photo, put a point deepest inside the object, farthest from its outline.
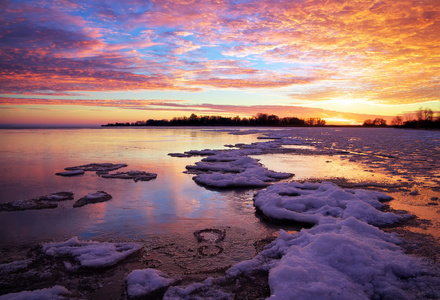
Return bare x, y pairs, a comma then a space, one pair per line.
180, 255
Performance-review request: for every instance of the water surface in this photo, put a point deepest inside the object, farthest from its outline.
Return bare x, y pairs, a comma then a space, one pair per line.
173, 204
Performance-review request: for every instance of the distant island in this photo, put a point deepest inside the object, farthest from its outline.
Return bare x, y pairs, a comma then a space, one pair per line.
261, 119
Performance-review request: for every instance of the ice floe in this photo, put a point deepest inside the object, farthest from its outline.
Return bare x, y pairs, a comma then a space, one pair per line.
71, 173
55, 292
103, 170
147, 283
341, 259
99, 168
97, 197
91, 254
312, 202
42, 202
233, 169
135, 175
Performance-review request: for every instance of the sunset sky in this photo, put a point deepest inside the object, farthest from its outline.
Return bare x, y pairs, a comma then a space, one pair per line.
94, 62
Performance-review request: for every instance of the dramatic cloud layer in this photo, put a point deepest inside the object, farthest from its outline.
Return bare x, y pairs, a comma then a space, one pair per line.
300, 51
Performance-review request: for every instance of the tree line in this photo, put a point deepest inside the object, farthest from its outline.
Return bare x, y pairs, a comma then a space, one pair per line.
260, 119
424, 118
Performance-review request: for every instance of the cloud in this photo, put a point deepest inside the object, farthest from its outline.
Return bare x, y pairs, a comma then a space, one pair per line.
251, 83
376, 50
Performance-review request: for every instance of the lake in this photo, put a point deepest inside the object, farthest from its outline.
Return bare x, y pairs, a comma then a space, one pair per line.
172, 204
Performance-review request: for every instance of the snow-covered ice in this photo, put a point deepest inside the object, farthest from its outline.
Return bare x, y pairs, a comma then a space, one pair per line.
338, 258
42, 202
14, 266
312, 202
135, 175
99, 196
70, 173
91, 254
228, 169
53, 293
343, 256
99, 168
142, 283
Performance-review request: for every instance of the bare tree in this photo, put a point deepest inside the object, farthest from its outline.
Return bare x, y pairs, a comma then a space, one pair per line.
397, 121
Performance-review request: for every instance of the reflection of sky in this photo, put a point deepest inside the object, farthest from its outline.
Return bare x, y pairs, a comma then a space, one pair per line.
170, 203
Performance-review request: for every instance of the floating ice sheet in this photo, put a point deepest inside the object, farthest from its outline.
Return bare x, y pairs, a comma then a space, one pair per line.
99, 168
312, 202
90, 198
135, 175
42, 202
229, 169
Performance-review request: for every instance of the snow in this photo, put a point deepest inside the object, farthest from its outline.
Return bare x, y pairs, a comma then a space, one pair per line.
99, 196
135, 175
70, 173
99, 168
311, 203
197, 291
26, 204
14, 266
343, 256
59, 196
141, 283
341, 259
42, 202
91, 254
56, 292
232, 168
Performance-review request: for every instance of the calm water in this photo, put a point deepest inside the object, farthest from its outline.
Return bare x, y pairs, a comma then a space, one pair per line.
173, 203
170, 203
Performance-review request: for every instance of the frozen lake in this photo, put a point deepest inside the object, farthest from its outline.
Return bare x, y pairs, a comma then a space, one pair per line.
172, 203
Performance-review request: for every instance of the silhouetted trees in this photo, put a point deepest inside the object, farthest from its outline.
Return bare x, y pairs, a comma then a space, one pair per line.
375, 122
260, 119
424, 118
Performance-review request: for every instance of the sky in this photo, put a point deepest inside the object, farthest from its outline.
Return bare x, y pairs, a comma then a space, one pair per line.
95, 62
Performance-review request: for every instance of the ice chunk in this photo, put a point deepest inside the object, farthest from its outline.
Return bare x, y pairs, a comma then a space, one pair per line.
14, 266
91, 254
59, 196
99, 168
26, 204
203, 290
99, 196
179, 154
71, 173
42, 202
56, 292
135, 175
341, 259
143, 283
346, 259
233, 169
310, 203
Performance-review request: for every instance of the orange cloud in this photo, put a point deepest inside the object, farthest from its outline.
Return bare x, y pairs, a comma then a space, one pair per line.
382, 51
